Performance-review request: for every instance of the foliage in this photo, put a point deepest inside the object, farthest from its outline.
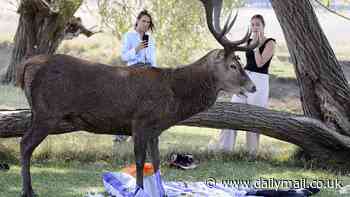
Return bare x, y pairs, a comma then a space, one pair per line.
67, 9
327, 5
180, 31
72, 164
328, 2
117, 15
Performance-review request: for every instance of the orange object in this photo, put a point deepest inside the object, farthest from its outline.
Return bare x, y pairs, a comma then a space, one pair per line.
148, 170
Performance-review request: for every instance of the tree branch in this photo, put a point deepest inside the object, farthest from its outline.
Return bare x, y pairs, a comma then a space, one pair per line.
332, 11
52, 7
310, 134
38, 6
75, 27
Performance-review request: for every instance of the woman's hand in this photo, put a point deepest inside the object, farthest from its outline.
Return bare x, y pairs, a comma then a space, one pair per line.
257, 37
142, 45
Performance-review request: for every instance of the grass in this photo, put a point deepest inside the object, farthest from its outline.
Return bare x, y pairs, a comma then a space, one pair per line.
59, 175
12, 97
103, 48
72, 164
76, 179
6, 38
282, 69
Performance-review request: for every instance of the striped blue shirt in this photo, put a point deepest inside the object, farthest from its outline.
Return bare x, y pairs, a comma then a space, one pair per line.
147, 55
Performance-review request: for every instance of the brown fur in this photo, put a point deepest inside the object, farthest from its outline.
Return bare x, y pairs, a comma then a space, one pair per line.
141, 102
36, 61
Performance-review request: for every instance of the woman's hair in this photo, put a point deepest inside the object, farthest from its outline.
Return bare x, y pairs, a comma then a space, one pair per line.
145, 13
260, 17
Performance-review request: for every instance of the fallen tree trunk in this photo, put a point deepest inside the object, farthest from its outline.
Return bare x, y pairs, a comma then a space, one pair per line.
311, 135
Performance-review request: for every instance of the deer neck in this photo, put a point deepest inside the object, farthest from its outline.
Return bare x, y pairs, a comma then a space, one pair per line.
195, 86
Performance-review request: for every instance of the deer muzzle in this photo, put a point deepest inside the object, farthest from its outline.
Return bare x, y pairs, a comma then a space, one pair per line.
247, 84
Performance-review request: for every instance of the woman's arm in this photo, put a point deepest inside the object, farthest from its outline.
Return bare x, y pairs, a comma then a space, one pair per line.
128, 53
262, 58
152, 54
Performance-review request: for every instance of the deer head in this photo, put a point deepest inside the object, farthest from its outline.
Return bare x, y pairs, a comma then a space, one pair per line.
223, 62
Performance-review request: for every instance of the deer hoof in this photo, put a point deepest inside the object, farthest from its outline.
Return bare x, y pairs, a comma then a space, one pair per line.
29, 194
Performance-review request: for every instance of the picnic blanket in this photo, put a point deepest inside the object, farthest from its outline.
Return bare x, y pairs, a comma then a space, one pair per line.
120, 184
123, 184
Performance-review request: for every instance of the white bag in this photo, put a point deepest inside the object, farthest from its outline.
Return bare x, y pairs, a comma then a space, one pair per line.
120, 184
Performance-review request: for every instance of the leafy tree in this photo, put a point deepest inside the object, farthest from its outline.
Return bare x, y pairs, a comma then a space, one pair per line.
181, 29
42, 25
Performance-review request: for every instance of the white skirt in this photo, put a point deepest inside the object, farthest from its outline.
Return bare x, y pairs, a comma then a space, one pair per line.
260, 96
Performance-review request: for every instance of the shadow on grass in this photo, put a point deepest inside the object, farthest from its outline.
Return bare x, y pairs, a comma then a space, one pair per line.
60, 179
56, 179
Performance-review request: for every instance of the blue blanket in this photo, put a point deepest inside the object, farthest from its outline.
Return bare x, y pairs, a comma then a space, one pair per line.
120, 184
124, 185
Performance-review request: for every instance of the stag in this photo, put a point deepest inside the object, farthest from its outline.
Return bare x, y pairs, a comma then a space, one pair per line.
140, 102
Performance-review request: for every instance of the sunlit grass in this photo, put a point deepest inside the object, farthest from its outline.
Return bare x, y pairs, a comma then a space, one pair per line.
72, 164
12, 97
103, 48
6, 38
61, 179
281, 69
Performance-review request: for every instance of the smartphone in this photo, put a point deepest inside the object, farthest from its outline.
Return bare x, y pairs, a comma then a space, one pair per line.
145, 38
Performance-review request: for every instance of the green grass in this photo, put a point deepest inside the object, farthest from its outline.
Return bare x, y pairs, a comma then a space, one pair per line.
103, 48
87, 147
12, 97
65, 179
282, 69
6, 38
72, 164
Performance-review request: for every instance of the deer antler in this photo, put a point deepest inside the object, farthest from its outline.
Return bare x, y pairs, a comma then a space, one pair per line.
213, 11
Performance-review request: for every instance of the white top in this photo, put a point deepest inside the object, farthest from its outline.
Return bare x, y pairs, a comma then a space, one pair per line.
147, 55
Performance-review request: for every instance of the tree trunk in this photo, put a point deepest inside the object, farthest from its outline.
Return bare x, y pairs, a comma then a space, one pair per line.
310, 134
324, 90
41, 28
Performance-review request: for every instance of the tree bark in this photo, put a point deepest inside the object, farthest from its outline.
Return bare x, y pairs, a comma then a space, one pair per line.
324, 90
309, 134
42, 26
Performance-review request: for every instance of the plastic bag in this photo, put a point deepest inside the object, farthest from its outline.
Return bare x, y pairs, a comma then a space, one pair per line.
123, 184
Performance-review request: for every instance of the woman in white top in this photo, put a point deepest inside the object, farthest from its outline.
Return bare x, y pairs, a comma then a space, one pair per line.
257, 68
136, 50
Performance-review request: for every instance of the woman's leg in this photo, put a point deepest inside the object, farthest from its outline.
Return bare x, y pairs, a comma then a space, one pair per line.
259, 98
227, 137
252, 142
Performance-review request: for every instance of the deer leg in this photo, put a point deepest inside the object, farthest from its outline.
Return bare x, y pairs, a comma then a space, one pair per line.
154, 151
140, 145
32, 138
